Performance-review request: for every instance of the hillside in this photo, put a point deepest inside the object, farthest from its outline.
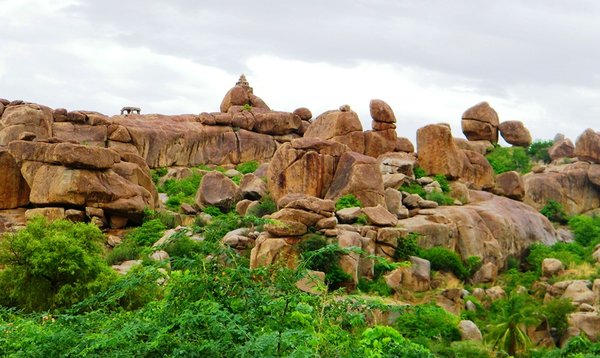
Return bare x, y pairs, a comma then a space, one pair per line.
255, 232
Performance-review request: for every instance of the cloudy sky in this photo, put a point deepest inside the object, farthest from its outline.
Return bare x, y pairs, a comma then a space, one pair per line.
537, 61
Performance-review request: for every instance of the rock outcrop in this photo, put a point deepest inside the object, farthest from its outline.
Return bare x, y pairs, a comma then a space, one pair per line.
587, 146
515, 133
480, 122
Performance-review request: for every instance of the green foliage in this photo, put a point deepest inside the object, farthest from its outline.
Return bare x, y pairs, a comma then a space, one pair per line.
266, 206
427, 323
247, 107
181, 191
511, 316
347, 201
212, 211
461, 349
555, 212
362, 219
513, 278
413, 188
407, 246
506, 159
157, 173
376, 286
556, 312
385, 341
135, 241
538, 150
247, 167
419, 172
443, 181
443, 259
567, 253
167, 218
51, 265
440, 198
237, 179
586, 229
322, 256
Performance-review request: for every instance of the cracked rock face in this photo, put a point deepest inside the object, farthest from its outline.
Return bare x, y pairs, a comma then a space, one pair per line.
480, 122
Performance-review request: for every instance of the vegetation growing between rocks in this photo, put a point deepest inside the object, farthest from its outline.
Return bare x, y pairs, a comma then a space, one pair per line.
181, 191
555, 212
538, 151
506, 159
247, 167
347, 201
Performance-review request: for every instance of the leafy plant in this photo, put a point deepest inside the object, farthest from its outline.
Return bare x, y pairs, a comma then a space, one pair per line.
247, 167
555, 212
362, 219
324, 257
247, 107
586, 229
266, 205
181, 191
385, 341
538, 150
419, 172
347, 201
157, 173
426, 323
440, 198
407, 246
443, 259
443, 181
506, 159
556, 312
51, 265
414, 188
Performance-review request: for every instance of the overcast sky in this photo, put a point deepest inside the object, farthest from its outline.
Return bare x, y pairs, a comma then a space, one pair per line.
537, 61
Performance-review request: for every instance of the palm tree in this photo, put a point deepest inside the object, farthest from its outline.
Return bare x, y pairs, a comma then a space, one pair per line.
512, 316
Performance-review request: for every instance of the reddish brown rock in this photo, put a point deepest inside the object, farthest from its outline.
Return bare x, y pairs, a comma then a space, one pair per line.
359, 175
380, 216
479, 146
342, 127
305, 165
285, 228
510, 184
307, 203
437, 151
587, 146
252, 187
14, 191
594, 174
236, 96
477, 171
379, 142
66, 154
17, 119
83, 134
276, 123
304, 113
59, 115
404, 145
381, 111
118, 133
480, 122
382, 126
217, 190
563, 148
515, 133
268, 251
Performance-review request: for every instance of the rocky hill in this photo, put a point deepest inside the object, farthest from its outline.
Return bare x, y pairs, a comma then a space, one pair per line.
88, 167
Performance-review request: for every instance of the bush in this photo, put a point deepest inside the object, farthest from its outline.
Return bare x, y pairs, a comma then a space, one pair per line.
586, 229
443, 259
51, 265
407, 246
324, 257
157, 173
384, 341
429, 323
181, 191
413, 188
135, 241
266, 206
247, 167
567, 253
513, 278
538, 150
347, 201
443, 181
419, 172
555, 212
556, 312
440, 198
506, 159
376, 286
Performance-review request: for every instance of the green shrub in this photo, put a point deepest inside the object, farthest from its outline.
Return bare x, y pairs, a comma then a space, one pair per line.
247, 167
538, 150
134, 242
506, 159
512, 278
443, 259
266, 206
384, 341
443, 181
51, 265
419, 172
376, 286
362, 219
181, 191
322, 256
212, 211
157, 173
414, 188
557, 311
407, 246
440, 198
427, 323
555, 212
347, 201
586, 229
567, 253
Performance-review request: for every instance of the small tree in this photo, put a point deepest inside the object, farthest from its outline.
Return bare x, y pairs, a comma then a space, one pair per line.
49, 265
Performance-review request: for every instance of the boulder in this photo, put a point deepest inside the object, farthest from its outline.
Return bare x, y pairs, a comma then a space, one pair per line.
305, 165
477, 171
563, 148
268, 251
404, 144
65, 154
479, 146
348, 215
51, 214
487, 273
252, 187
551, 267
285, 228
81, 133
20, 118
579, 292
359, 175
306, 217
594, 174
304, 113
313, 282
511, 185
437, 151
480, 122
587, 323
469, 331
515, 133
217, 190
350, 262
393, 202
379, 142
587, 146
568, 185
381, 111
397, 163
380, 216
276, 123
339, 126
307, 203
14, 191
495, 293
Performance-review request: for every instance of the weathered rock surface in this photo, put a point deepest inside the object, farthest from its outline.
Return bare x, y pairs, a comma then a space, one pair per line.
217, 190
65, 154
515, 133
268, 251
551, 267
563, 148
480, 122
511, 185
14, 191
342, 127
568, 185
469, 331
490, 227
587, 146
29, 117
